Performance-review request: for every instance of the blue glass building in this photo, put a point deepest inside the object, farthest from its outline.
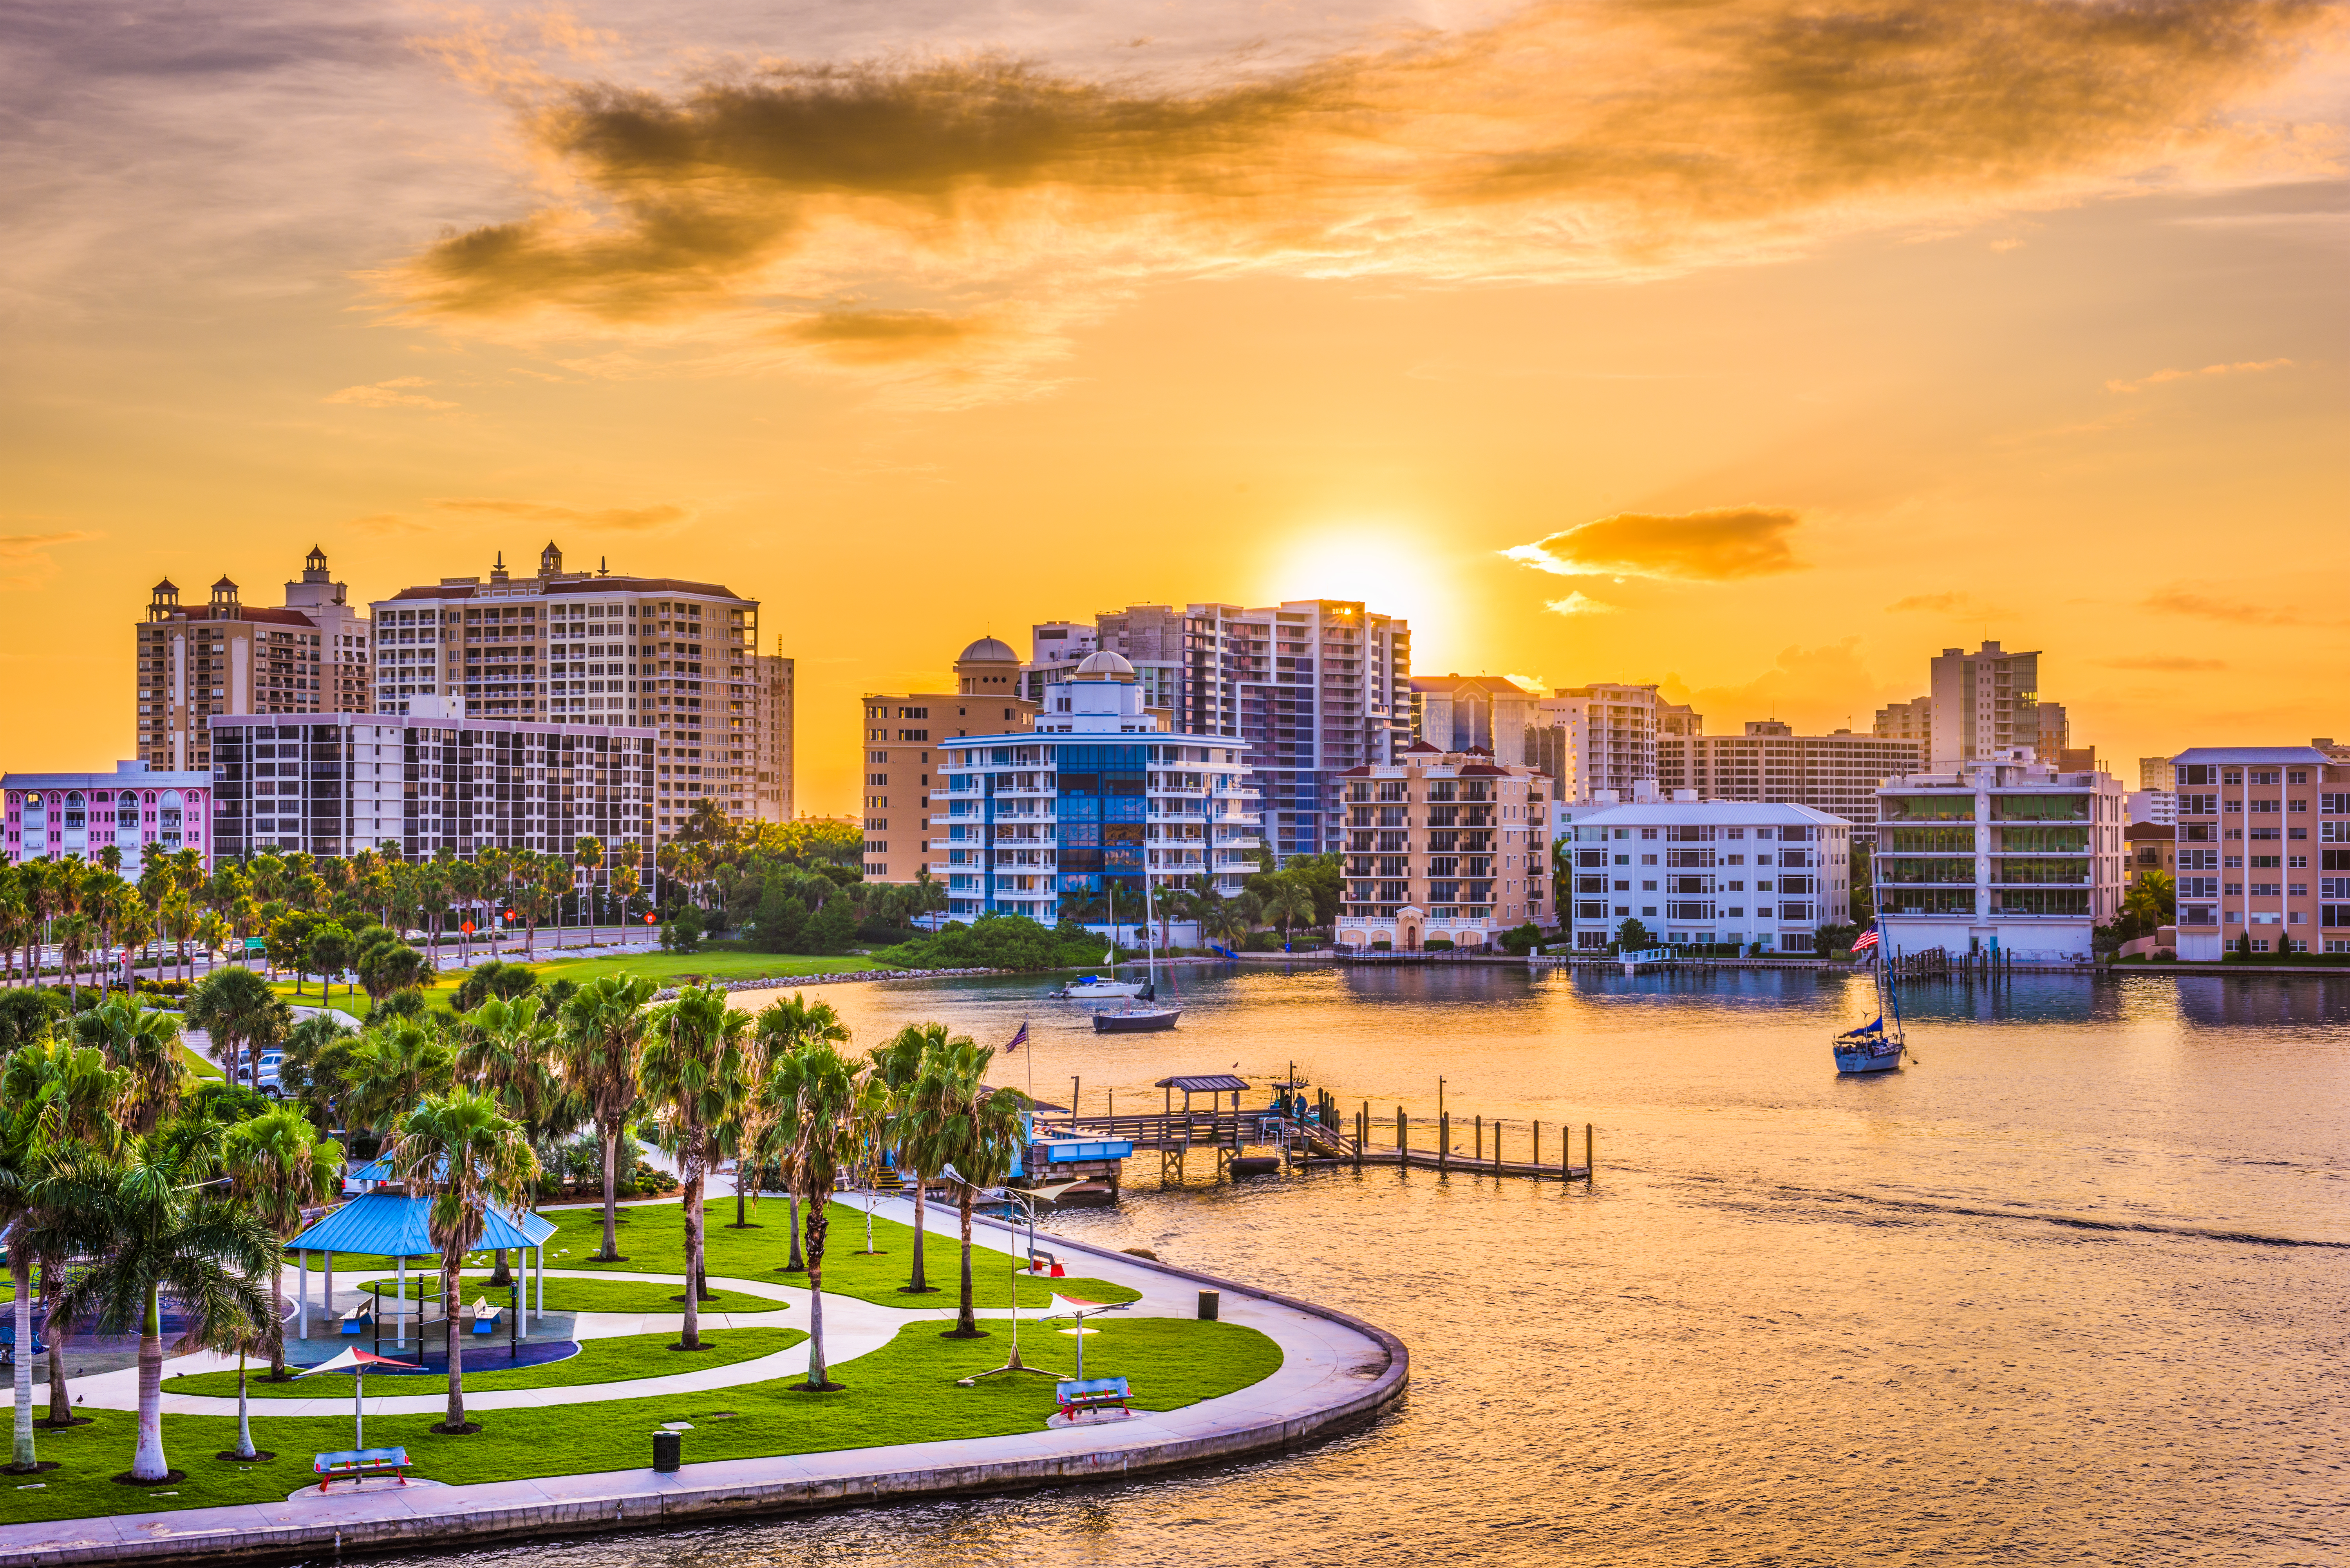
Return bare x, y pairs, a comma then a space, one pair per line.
1096, 797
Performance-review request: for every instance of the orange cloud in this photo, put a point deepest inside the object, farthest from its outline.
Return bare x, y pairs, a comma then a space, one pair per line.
1710, 547
25, 557
2161, 377
629, 519
396, 393
2234, 612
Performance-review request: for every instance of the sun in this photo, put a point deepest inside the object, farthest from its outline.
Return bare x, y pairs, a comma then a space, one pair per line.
1379, 564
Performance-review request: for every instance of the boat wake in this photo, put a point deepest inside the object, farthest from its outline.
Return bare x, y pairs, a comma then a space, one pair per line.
1923, 1206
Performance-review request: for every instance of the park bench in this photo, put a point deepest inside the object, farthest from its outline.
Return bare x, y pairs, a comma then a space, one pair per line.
1094, 1395
358, 1463
8, 1343
486, 1317
357, 1321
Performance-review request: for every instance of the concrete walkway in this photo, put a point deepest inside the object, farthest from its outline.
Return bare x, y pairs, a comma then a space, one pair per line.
1336, 1371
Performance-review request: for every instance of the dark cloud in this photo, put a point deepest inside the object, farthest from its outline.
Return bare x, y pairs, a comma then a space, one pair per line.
879, 337
1718, 545
1598, 136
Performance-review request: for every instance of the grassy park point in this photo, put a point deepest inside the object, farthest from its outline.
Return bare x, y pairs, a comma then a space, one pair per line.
904, 1392
635, 1355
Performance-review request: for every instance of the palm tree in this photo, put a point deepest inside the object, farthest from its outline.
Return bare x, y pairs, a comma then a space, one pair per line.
603, 1041
1286, 902
75, 934
237, 1007
178, 920
625, 881
153, 1223
391, 1069
785, 1027
467, 1153
988, 1137
280, 1166
694, 1071
61, 1097
144, 1046
823, 1087
928, 1094
589, 854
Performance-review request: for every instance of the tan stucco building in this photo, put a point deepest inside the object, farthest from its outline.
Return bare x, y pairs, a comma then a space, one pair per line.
903, 761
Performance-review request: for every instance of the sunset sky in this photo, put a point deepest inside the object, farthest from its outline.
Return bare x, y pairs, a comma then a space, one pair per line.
1756, 347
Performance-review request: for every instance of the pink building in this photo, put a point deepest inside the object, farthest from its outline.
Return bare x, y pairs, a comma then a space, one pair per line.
138, 810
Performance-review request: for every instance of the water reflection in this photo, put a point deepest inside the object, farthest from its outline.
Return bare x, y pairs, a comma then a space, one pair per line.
2070, 1289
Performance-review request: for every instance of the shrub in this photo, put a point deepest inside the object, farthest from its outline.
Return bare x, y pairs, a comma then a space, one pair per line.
1382, 946
1520, 940
682, 932
1437, 945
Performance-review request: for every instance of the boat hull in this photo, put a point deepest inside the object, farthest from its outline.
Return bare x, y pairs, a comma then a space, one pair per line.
1101, 989
1139, 1022
1867, 1059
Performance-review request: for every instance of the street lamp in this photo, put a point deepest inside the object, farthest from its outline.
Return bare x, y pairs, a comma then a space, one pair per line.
1028, 1200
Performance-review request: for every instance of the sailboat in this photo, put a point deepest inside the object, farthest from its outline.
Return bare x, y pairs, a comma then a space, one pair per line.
1876, 1046
1090, 987
1132, 1019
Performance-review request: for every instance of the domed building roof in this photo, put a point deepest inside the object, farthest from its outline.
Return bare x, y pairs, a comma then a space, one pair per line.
989, 651
1105, 666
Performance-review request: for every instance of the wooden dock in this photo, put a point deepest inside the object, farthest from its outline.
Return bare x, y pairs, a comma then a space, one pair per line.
1317, 1140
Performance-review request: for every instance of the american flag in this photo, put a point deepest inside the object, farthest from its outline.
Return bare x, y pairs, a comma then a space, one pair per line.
1019, 1038
1866, 941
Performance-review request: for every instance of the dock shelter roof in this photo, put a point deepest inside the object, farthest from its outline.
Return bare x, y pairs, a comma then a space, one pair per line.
1205, 1083
392, 1225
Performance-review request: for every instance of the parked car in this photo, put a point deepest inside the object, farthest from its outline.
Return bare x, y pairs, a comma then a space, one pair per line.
265, 1073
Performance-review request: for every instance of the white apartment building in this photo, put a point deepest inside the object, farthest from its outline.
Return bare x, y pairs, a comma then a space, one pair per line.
1097, 797
2003, 855
1311, 687
431, 779
1837, 774
1711, 872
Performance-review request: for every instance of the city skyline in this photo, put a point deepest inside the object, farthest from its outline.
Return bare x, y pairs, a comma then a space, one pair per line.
1770, 432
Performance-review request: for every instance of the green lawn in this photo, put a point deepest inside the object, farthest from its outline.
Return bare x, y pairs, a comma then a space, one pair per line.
598, 1296
598, 1361
903, 1393
653, 1242
197, 1065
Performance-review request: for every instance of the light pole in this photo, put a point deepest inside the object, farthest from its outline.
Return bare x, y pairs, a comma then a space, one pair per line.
1027, 1201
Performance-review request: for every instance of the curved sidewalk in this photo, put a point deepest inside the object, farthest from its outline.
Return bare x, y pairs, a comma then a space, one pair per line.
1336, 1371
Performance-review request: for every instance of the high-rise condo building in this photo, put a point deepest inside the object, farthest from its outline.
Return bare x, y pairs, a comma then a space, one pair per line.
1446, 847
773, 683
1491, 714
1100, 793
429, 780
1602, 736
675, 657
1910, 721
308, 656
1708, 872
2263, 850
904, 755
1836, 774
2002, 855
1313, 687
1986, 705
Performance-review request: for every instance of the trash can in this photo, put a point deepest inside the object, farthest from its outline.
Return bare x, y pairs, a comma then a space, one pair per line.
669, 1451
1210, 1301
